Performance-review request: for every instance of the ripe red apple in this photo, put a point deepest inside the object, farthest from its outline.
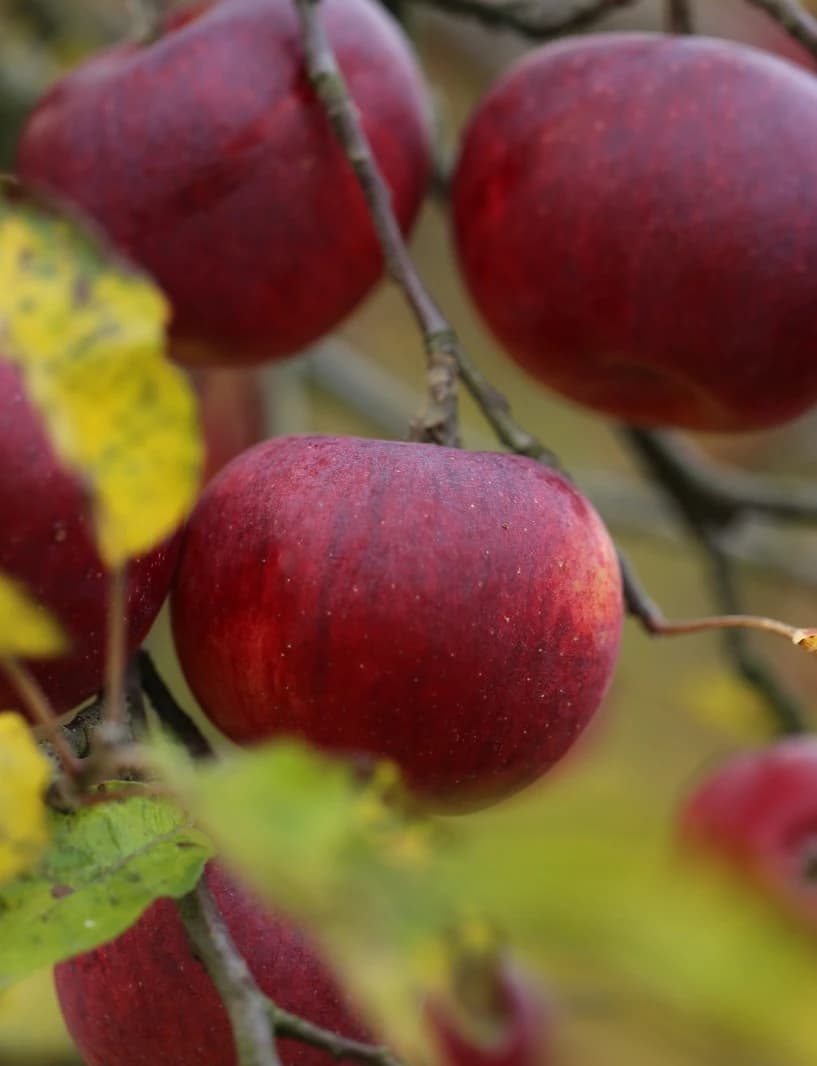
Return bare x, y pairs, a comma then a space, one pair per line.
758, 814
144, 999
232, 412
456, 612
516, 1016
634, 218
46, 543
207, 157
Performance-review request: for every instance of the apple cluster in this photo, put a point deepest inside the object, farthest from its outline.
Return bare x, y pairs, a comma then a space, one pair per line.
633, 219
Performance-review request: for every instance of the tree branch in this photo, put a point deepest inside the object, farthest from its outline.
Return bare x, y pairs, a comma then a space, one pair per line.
708, 504
679, 17
169, 711
446, 357
532, 18
245, 1003
793, 18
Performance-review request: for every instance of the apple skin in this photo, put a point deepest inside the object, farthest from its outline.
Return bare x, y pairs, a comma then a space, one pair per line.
633, 216
522, 1019
208, 159
144, 999
456, 612
757, 814
46, 543
232, 413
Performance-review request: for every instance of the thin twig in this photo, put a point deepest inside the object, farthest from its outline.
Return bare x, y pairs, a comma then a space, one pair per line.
794, 18
169, 711
679, 16
445, 354
245, 1003
532, 18
38, 705
339, 1047
116, 661
440, 421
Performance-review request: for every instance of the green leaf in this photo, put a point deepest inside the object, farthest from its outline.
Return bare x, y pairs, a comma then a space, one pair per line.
104, 866
578, 873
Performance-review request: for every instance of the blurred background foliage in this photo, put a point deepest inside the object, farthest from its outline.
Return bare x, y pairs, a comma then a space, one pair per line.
675, 708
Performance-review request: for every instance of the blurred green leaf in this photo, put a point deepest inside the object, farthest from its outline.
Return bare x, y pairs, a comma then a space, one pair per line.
579, 878
104, 866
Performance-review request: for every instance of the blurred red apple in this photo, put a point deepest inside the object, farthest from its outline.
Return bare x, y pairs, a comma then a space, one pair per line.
456, 612
46, 543
634, 218
207, 157
758, 814
144, 999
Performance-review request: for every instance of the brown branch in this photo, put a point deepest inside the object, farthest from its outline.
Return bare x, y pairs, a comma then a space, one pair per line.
170, 713
709, 504
246, 1005
290, 1025
446, 356
532, 18
679, 17
799, 23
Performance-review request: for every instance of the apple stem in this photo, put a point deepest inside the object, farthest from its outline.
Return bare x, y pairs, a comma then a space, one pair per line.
679, 17
42, 712
244, 1002
116, 660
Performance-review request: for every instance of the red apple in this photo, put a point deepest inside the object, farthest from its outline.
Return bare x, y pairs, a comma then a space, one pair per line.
146, 1000
456, 612
232, 412
46, 543
516, 1016
758, 814
208, 158
634, 218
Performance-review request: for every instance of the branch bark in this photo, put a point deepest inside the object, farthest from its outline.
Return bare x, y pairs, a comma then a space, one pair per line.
532, 18
245, 1004
794, 18
290, 1025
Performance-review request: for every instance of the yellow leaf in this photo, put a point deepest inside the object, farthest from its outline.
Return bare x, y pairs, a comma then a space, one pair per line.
88, 333
27, 630
24, 775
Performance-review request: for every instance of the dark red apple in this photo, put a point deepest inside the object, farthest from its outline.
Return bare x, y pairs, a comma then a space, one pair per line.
758, 814
46, 543
513, 1025
208, 158
456, 612
634, 218
146, 1000
232, 412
